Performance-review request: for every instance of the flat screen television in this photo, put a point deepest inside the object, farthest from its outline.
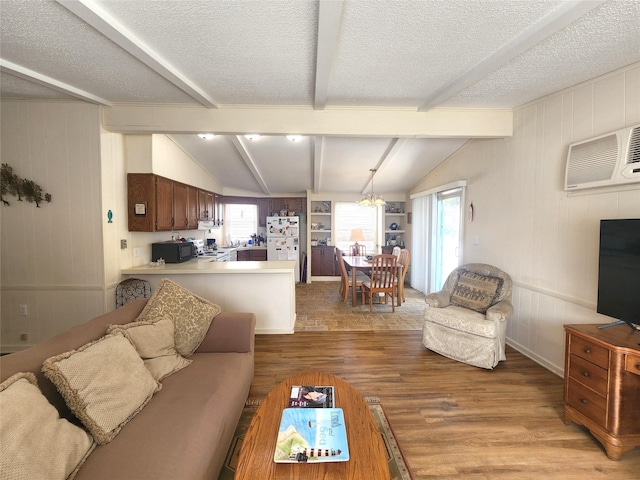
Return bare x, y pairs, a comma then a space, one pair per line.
619, 270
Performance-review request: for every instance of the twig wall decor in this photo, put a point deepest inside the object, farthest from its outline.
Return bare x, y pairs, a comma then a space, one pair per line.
12, 184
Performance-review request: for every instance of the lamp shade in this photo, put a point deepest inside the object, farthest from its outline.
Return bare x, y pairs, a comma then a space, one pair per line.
357, 235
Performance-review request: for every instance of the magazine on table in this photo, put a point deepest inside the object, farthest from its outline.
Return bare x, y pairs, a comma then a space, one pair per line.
312, 435
312, 397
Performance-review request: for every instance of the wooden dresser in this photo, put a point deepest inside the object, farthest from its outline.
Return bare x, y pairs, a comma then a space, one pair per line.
602, 384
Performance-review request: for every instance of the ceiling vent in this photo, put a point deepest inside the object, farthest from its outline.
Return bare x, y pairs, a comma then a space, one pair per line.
610, 159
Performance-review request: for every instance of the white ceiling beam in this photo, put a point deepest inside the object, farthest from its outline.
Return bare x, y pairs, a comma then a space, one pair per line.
35, 77
394, 146
365, 122
564, 15
251, 164
329, 20
94, 15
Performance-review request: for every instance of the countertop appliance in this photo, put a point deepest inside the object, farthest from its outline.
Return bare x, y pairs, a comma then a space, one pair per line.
283, 240
172, 252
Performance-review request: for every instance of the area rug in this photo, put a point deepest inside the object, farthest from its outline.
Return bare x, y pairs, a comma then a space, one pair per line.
397, 464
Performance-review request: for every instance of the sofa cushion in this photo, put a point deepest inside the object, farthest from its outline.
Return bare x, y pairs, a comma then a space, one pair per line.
104, 383
191, 315
29, 427
155, 344
475, 291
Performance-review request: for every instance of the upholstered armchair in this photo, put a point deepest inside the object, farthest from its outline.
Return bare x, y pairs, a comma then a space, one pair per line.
467, 320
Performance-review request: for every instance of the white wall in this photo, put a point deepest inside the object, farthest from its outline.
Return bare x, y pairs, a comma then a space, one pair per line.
545, 238
51, 257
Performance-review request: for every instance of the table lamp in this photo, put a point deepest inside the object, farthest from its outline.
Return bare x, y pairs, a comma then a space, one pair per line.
357, 235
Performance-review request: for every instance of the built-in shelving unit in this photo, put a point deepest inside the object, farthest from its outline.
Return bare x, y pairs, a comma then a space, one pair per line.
320, 221
395, 218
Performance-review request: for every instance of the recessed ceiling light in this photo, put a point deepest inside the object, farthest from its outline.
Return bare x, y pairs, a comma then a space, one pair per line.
294, 138
252, 136
206, 136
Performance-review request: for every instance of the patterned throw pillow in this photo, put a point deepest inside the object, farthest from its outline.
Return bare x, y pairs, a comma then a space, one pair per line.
104, 383
34, 441
475, 291
191, 315
155, 344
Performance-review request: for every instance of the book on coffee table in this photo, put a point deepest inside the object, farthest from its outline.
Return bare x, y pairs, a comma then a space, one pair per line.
311, 397
312, 435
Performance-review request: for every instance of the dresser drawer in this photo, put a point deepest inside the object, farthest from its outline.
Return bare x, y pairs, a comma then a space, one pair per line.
587, 402
591, 351
632, 364
589, 374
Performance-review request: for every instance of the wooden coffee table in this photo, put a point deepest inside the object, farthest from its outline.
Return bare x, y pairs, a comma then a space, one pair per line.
367, 453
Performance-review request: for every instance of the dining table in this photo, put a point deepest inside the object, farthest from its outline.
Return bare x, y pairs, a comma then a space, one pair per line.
360, 262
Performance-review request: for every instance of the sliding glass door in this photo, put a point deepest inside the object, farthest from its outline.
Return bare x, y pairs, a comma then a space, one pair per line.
447, 235
437, 236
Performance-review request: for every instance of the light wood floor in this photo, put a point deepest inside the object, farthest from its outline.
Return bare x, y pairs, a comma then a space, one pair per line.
451, 420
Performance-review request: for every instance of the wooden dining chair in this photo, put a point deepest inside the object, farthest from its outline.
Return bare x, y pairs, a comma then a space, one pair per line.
358, 250
346, 279
383, 280
405, 257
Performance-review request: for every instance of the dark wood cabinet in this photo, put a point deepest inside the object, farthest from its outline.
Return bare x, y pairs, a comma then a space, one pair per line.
179, 206
192, 208
253, 255
602, 384
264, 211
323, 262
205, 205
157, 204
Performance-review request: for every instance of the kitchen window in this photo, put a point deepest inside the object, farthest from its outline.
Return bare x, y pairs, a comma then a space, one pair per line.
240, 221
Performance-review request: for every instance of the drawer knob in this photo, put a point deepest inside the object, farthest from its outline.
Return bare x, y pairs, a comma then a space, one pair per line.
586, 350
583, 401
585, 374
637, 366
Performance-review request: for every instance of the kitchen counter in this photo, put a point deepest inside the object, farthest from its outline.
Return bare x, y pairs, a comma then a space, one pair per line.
208, 265
264, 288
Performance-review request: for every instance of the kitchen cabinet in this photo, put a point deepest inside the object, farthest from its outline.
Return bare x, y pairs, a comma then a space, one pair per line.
179, 206
158, 204
205, 205
253, 255
218, 209
264, 211
602, 384
323, 262
192, 208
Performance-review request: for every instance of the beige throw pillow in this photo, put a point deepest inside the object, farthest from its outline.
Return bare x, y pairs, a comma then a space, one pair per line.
34, 441
104, 383
154, 342
475, 291
191, 315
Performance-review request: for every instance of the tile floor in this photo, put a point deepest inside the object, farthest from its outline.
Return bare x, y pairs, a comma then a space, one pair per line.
320, 308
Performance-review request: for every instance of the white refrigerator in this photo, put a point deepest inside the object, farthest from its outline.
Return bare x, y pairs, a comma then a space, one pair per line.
283, 240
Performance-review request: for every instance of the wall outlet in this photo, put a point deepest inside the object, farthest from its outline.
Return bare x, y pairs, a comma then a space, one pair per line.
123, 243
475, 240
24, 310
136, 251
24, 337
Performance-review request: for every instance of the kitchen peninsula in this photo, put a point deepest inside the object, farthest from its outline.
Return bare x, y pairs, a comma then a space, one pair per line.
264, 288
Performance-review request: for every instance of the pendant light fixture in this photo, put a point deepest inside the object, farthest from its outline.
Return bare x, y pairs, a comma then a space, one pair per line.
372, 200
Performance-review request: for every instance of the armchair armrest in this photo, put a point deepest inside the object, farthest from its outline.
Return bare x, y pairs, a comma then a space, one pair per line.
230, 332
500, 311
439, 299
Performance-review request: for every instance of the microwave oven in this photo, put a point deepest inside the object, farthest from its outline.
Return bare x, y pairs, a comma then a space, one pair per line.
172, 252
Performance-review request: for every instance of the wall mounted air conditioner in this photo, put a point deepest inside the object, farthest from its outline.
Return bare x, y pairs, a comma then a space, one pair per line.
610, 159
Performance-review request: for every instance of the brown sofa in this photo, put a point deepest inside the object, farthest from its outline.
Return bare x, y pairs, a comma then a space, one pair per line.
185, 430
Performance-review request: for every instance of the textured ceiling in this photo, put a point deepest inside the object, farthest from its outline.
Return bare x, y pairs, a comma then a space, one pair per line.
408, 55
